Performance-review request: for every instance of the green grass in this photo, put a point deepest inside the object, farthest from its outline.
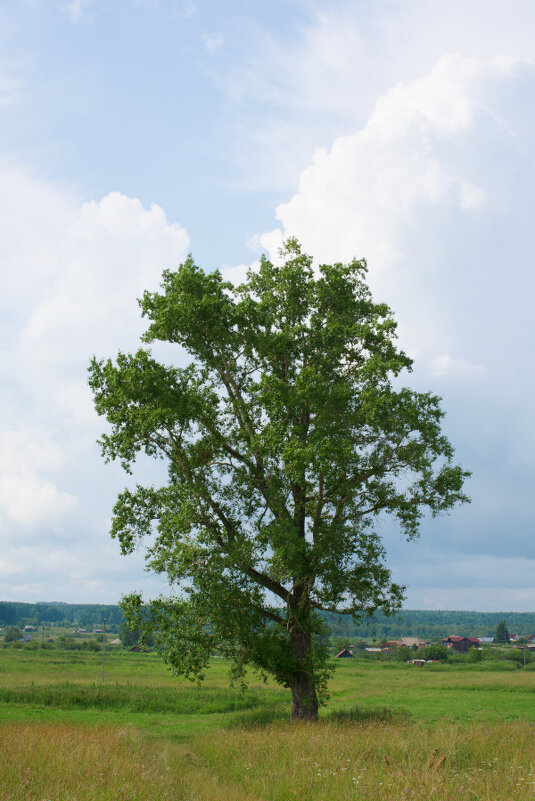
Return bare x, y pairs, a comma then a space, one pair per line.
140, 690
132, 698
428, 731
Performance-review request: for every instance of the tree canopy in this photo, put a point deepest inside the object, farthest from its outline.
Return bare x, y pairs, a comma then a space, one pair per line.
286, 438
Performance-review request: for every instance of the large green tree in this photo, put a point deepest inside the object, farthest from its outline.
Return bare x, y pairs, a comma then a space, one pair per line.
501, 634
286, 438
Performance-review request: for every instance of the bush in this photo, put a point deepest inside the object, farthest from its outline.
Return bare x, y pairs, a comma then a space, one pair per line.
13, 634
404, 653
436, 652
91, 645
516, 655
474, 655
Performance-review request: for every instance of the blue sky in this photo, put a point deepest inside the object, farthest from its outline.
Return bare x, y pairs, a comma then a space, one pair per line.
133, 132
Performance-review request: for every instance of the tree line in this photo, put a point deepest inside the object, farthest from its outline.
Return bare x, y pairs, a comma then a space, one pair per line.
431, 624
424, 623
14, 613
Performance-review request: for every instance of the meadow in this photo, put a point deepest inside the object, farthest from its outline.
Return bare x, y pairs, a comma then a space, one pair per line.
390, 731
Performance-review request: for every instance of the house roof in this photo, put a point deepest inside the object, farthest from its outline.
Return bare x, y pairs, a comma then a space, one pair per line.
410, 641
344, 653
456, 638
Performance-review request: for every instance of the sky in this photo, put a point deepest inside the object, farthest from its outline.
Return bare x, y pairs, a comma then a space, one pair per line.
134, 132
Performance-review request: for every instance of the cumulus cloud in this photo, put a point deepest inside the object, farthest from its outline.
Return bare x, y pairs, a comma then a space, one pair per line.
321, 78
86, 270
415, 150
27, 496
435, 191
426, 191
71, 273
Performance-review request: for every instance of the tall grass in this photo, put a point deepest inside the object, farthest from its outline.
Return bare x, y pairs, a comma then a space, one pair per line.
391, 733
73, 763
377, 761
367, 761
179, 700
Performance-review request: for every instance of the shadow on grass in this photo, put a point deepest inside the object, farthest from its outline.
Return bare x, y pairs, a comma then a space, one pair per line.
259, 717
265, 716
381, 714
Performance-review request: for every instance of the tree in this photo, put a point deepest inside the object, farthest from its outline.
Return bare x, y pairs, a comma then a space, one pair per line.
474, 655
131, 637
404, 653
128, 636
285, 438
501, 634
12, 634
436, 652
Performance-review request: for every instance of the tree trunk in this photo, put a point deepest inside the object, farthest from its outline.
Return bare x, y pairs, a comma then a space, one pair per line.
302, 684
304, 698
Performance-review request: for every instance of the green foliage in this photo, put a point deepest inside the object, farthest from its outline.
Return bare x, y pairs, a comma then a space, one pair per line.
428, 624
181, 701
474, 655
517, 655
285, 438
130, 637
69, 643
404, 653
338, 645
61, 684
501, 634
12, 634
20, 614
425, 623
436, 652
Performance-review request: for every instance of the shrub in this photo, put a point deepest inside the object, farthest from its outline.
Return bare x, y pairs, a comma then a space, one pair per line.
12, 634
436, 652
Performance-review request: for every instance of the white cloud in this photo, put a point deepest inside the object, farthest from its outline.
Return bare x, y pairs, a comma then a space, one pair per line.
299, 90
75, 10
415, 151
103, 258
213, 41
27, 497
436, 191
449, 365
432, 188
71, 273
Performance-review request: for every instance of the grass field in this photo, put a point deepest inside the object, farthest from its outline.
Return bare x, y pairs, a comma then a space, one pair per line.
390, 732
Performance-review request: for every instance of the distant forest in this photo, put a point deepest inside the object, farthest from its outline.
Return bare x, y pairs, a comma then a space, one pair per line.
427, 624
21, 614
430, 625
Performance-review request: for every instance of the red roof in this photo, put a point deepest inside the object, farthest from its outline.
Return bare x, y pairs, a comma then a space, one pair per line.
343, 652
455, 638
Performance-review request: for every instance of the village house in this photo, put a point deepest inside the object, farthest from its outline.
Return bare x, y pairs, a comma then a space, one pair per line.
461, 644
344, 654
409, 642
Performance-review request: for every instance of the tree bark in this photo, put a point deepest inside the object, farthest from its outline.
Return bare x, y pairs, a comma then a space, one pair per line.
304, 698
302, 684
